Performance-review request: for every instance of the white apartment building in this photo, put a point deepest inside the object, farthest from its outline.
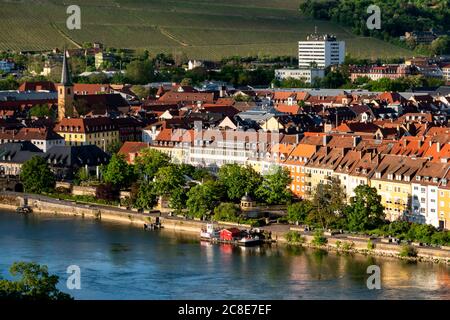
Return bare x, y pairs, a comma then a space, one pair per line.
322, 50
425, 193
425, 204
308, 74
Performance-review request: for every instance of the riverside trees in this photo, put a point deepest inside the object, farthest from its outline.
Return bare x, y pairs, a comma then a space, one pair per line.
36, 176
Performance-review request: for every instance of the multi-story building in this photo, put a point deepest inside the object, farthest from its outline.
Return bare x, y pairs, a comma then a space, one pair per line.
308, 75
379, 72
42, 138
320, 51
99, 131
425, 193
392, 179
295, 163
444, 202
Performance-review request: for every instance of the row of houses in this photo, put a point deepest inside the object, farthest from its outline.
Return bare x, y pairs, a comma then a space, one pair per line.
411, 174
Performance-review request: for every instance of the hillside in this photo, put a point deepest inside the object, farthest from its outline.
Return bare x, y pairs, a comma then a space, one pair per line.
199, 28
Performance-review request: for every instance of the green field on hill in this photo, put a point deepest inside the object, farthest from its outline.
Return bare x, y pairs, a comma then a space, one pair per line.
204, 29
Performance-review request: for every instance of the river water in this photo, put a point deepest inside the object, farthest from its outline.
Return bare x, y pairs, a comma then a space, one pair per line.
124, 262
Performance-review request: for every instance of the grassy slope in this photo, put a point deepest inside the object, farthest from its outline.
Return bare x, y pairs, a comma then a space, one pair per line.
199, 28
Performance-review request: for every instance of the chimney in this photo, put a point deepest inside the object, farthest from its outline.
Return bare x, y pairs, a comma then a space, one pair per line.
325, 140
438, 147
356, 140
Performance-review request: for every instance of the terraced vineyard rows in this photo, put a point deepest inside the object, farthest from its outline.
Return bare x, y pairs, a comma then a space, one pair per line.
200, 28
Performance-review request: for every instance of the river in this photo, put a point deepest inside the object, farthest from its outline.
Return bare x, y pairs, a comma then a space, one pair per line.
124, 262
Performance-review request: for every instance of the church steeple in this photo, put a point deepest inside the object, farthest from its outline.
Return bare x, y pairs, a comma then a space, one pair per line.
66, 79
65, 92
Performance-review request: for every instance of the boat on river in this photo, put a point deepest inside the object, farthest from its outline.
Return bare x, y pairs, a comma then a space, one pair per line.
210, 232
230, 236
24, 209
249, 240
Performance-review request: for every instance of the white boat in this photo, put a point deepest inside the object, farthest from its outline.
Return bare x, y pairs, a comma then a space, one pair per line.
249, 241
210, 232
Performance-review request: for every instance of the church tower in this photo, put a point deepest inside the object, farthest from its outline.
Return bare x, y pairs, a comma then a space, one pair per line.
65, 92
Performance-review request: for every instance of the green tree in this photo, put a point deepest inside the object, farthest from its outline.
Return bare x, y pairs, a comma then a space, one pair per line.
141, 91
186, 82
178, 198
148, 163
9, 83
41, 111
441, 45
168, 179
140, 72
118, 172
366, 211
239, 180
226, 212
146, 197
299, 211
82, 175
273, 189
36, 176
35, 283
114, 147
328, 202
202, 198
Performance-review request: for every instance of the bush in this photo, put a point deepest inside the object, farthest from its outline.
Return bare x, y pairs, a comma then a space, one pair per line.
421, 232
441, 238
319, 239
408, 251
347, 246
294, 237
226, 212
370, 245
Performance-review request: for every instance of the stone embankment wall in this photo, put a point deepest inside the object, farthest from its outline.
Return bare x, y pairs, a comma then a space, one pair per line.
360, 245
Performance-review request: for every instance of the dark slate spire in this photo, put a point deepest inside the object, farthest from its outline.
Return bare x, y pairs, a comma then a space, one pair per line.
66, 79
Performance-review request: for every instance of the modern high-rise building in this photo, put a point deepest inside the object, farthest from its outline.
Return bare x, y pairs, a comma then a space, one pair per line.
320, 51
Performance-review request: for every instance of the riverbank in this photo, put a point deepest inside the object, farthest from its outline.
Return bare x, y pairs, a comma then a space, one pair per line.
339, 243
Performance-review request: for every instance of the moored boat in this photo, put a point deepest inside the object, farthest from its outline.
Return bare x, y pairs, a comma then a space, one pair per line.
24, 209
249, 241
210, 232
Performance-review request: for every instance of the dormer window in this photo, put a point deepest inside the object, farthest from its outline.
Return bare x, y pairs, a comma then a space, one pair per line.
390, 176
418, 178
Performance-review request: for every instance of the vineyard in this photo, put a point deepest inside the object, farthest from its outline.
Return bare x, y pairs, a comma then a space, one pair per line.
199, 28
